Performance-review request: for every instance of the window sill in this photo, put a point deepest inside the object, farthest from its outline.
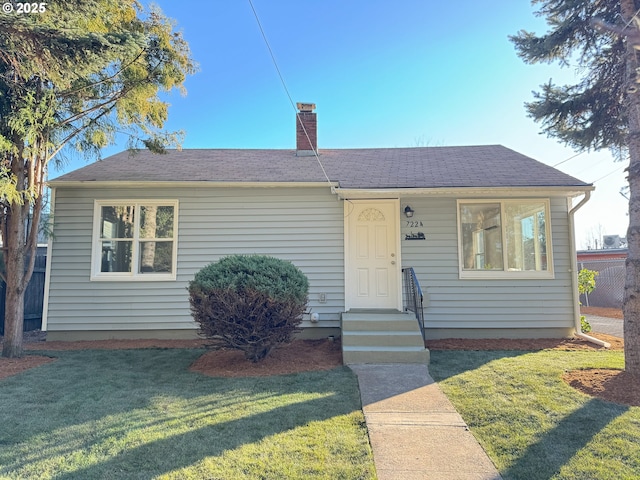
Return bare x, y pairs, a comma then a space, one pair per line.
502, 275
161, 277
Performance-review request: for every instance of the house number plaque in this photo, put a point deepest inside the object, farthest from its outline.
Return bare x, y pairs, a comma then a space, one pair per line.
415, 236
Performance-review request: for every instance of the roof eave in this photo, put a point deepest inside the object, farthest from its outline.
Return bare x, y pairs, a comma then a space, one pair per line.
457, 192
191, 184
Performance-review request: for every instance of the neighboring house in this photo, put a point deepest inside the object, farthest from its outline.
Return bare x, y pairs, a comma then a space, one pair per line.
606, 254
610, 265
488, 231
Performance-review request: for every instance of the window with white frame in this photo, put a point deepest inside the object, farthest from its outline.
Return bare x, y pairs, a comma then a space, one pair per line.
135, 240
504, 238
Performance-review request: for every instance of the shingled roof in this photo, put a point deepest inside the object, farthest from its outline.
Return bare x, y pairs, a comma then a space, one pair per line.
368, 168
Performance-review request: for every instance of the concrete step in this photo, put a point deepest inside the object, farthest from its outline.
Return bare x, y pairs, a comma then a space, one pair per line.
353, 355
379, 322
383, 338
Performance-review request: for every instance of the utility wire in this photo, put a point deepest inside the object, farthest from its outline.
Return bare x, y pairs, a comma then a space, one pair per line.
284, 85
610, 173
632, 18
570, 158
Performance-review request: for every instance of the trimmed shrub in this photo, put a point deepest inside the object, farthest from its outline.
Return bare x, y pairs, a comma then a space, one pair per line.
249, 302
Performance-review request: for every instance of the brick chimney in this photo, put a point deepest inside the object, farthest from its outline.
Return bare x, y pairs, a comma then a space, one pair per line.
306, 130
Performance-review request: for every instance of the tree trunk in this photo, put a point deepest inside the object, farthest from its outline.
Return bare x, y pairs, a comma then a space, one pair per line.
15, 276
631, 304
148, 256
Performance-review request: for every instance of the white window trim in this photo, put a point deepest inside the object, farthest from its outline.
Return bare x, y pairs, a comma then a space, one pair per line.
96, 248
509, 274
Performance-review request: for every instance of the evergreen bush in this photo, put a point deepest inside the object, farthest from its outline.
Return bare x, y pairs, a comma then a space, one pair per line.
249, 302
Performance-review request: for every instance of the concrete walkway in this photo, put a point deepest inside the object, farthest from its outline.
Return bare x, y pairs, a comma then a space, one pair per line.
415, 431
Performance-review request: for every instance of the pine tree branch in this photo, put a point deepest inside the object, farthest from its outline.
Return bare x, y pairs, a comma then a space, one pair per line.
105, 80
77, 131
84, 113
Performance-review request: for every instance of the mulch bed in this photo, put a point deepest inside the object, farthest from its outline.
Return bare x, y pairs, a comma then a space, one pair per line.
525, 343
311, 355
602, 312
14, 366
615, 386
299, 356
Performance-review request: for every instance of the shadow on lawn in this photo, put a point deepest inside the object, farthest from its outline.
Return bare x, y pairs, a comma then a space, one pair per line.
449, 363
88, 398
545, 458
212, 441
553, 449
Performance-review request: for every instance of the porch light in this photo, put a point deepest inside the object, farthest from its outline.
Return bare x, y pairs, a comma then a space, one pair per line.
408, 211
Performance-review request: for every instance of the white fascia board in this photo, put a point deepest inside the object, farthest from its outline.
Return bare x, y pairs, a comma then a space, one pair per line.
471, 192
165, 184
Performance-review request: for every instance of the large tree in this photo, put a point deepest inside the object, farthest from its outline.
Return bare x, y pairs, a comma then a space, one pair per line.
73, 75
601, 40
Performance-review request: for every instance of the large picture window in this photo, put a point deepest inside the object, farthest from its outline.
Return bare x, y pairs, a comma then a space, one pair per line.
135, 240
506, 238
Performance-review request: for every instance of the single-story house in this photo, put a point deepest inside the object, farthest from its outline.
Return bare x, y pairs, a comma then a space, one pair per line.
488, 232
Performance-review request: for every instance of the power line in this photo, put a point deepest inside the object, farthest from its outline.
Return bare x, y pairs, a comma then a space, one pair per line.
632, 19
570, 158
284, 85
610, 173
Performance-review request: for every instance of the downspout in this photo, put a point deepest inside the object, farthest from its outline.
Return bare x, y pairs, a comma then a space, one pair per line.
574, 275
47, 274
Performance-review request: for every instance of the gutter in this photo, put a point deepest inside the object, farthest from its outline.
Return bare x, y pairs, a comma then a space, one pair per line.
181, 183
574, 275
462, 192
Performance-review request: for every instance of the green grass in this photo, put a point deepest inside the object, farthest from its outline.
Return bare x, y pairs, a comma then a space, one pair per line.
140, 414
533, 425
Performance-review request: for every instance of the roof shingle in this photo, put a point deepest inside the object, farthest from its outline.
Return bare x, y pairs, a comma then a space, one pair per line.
367, 168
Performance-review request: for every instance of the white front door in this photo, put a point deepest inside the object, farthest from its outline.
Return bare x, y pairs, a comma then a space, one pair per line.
372, 254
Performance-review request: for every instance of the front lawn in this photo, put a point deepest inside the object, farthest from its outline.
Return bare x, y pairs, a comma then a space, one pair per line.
108, 414
531, 423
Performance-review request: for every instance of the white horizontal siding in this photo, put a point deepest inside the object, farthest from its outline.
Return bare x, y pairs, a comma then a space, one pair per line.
451, 302
304, 226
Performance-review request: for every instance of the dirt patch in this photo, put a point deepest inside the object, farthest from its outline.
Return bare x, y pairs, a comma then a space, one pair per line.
615, 386
525, 343
602, 312
298, 356
13, 366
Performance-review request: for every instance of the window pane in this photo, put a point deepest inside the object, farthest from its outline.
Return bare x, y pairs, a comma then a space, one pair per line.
156, 257
156, 222
116, 256
526, 236
481, 236
117, 222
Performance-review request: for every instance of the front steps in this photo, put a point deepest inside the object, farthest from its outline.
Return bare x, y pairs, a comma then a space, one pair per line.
382, 337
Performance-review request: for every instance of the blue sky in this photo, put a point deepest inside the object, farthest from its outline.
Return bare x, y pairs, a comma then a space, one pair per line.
382, 74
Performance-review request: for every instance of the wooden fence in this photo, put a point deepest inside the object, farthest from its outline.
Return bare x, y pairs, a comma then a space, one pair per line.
33, 298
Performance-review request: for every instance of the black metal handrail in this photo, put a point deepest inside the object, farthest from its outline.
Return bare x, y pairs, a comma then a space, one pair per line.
413, 297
